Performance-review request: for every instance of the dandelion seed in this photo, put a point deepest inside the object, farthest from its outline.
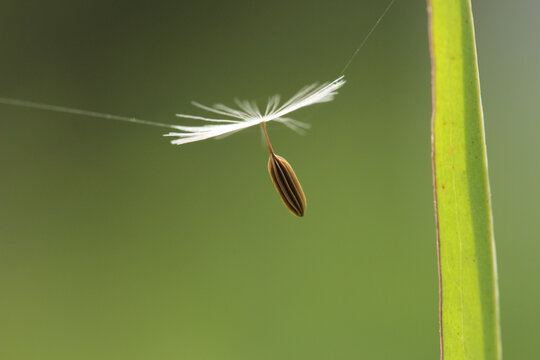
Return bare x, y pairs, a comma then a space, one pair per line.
248, 114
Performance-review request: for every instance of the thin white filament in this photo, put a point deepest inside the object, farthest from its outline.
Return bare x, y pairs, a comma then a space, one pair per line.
367, 36
66, 110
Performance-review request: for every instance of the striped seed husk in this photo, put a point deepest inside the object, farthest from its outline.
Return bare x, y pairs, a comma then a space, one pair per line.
287, 184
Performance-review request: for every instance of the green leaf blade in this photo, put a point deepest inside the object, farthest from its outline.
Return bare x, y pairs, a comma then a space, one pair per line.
467, 267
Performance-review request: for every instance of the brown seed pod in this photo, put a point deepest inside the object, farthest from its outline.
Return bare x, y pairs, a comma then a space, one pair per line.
287, 184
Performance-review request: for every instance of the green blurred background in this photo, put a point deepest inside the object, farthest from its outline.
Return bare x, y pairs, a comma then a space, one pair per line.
115, 244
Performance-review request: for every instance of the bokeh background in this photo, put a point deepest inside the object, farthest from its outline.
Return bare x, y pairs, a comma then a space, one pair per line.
115, 244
